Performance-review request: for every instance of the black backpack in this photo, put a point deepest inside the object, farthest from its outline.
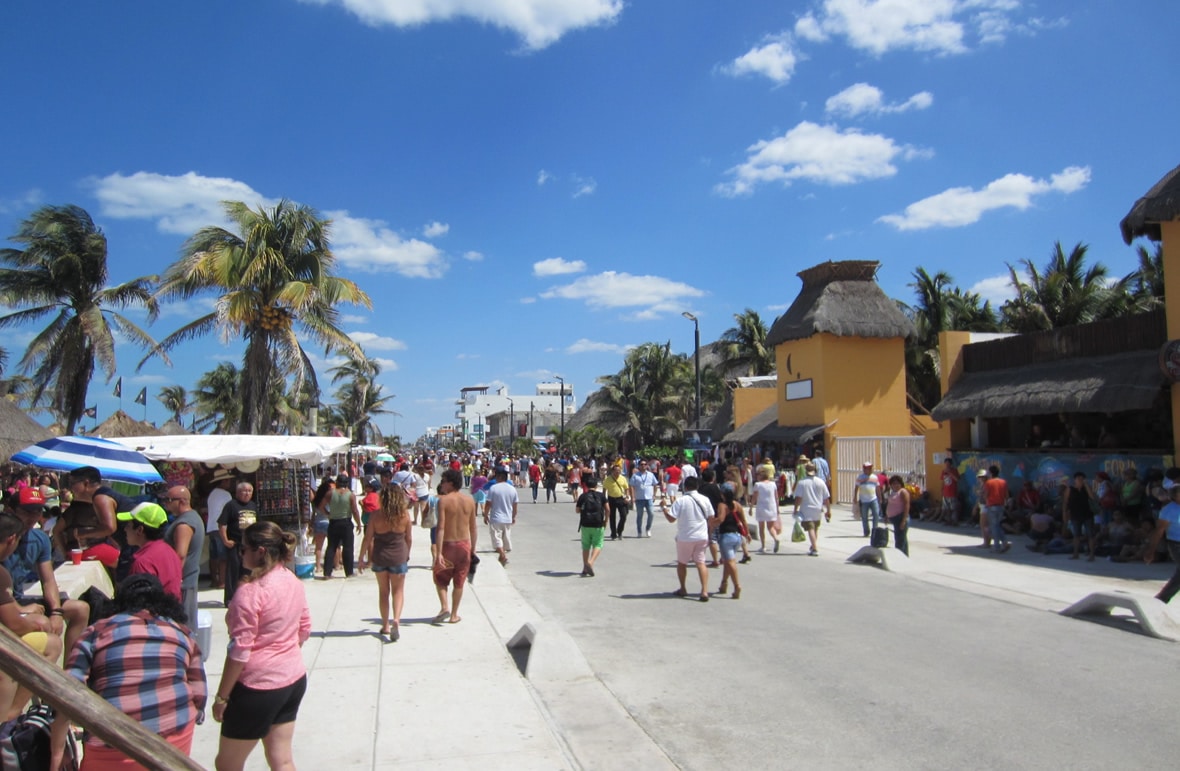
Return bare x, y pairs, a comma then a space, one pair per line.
593, 510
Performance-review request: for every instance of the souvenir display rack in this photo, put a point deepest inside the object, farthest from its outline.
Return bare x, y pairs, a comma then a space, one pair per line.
282, 490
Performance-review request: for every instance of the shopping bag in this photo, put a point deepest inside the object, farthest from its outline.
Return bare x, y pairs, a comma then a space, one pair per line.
797, 534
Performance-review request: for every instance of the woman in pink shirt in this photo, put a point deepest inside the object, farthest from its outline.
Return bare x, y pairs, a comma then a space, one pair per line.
264, 679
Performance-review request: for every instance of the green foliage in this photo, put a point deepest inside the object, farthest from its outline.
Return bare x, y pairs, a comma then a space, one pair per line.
61, 274
744, 347
275, 283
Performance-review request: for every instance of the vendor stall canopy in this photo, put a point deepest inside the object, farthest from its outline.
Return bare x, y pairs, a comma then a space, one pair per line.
231, 449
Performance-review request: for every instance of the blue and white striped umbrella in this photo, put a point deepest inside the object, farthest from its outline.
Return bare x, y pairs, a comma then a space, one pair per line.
113, 460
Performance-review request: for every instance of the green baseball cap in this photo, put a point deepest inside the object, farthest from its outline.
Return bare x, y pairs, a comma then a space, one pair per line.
147, 514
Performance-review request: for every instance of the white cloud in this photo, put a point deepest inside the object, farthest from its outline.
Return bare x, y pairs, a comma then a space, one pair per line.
192, 308
183, 204
939, 26
387, 365
527, 300
584, 186
435, 229
774, 59
655, 296
997, 290
473, 256
556, 266
543, 177
179, 204
371, 341
151, 380
349, 318
582, 345
778, 307
823, 154
539, 23
28, 200
861, 98
961, 206
371, 246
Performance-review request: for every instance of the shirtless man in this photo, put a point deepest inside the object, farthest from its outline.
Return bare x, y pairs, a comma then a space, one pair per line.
456, 543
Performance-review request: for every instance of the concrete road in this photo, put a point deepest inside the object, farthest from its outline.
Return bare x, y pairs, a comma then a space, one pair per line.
823, 664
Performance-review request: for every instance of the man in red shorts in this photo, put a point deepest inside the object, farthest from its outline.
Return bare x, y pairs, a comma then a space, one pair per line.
456, 542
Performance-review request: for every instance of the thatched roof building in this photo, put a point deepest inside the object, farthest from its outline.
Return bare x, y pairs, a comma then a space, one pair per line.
1160, 204
1104, 366
172, 428
122, 424
18, 430
842, 299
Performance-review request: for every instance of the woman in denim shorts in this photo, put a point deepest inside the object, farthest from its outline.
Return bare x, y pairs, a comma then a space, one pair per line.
392, 535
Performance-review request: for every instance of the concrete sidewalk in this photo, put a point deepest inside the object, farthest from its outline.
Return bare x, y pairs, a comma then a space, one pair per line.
448, 696
953, 557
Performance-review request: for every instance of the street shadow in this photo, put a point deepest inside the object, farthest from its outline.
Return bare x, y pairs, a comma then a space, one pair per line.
341, 634
1020, 554
557, 573
649, 596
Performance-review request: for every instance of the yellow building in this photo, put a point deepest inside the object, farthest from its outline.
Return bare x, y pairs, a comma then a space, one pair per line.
840, 357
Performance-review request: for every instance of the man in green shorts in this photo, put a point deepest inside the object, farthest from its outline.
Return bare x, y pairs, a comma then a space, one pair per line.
591, 508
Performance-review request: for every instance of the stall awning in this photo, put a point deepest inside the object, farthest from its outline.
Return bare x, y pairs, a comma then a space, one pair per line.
764, 427
1125, 381
235, 448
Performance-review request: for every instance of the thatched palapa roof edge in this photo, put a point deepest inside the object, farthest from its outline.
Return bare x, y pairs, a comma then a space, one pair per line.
1160, 204
1125, 381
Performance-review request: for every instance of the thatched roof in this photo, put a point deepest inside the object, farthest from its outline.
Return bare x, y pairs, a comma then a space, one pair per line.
172, 428
18, 430
764, 427
1160, 204
122, 424
1114, 383
843, 299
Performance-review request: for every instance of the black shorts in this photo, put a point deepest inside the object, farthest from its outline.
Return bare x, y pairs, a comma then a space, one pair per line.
251, 713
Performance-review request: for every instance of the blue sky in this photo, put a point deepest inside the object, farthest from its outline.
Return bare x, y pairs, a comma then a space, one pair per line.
527, 187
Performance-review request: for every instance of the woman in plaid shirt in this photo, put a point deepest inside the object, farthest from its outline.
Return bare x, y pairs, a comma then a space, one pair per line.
145, 662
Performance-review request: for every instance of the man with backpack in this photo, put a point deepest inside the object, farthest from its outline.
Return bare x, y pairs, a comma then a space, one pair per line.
591, 508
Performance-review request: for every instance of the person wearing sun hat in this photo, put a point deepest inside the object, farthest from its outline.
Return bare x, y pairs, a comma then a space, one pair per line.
144, 526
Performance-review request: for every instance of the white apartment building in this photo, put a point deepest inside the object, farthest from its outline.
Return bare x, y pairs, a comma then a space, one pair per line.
476, 406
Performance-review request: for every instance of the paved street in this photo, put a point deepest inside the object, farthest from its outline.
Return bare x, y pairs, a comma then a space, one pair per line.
823, 664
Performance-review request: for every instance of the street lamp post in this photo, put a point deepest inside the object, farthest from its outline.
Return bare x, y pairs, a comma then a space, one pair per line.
532, 428
696, 327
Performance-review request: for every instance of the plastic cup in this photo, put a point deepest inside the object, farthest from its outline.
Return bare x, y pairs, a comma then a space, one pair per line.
76, 556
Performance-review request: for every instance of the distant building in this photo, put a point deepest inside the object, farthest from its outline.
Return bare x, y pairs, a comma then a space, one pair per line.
482, 416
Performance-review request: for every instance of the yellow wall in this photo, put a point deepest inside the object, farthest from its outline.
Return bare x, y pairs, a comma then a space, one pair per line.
798, 360
950, 352
864, 386
748, 402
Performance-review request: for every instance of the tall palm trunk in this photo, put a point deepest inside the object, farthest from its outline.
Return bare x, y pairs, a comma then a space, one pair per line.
255, 380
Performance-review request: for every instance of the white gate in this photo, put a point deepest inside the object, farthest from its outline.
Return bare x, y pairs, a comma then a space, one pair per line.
901, 455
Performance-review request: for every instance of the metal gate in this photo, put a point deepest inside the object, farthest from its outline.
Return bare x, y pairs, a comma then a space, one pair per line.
902, 455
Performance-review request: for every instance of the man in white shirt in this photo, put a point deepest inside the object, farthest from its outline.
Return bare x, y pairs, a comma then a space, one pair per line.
219, 496
691, 514
812, 500
499, 513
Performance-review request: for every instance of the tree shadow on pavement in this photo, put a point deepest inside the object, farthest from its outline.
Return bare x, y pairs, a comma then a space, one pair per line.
557, 573
342, 633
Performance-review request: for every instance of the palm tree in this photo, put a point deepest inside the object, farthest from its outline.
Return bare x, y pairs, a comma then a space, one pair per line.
273, 275
175, 400
744, 345
1146, 284
360, 397
1065, 292
62, 273
647, 396
217, 402
939, 308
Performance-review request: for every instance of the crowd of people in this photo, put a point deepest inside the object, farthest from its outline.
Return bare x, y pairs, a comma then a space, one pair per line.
720, 511
139, 649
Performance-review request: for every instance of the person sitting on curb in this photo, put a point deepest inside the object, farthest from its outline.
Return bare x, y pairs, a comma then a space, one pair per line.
33, 561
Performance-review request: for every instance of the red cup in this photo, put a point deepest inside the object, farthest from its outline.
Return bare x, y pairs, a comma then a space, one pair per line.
76, 556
